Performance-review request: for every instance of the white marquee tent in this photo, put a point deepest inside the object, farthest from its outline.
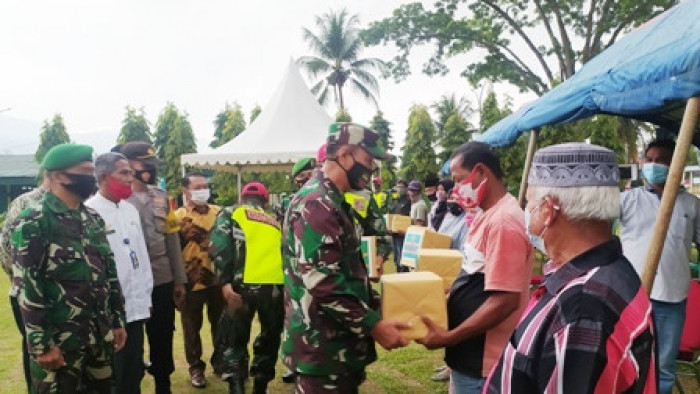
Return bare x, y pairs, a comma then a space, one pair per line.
291, 126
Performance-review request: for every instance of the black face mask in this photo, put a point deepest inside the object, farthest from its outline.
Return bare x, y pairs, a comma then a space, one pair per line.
432, 197
81, 185
150, 171
356, 173
455, 209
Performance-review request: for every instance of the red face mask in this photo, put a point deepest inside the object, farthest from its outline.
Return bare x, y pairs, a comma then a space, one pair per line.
119, 190
469, 197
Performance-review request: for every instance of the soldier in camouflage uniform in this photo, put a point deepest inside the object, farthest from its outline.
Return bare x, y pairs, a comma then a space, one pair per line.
70, 299
368, 217
331, 318
28, 199
246, 247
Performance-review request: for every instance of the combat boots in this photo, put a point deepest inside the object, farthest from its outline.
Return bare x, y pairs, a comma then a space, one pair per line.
259, 386
235, 385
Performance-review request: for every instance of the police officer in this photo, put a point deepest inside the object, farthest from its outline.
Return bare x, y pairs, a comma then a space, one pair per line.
69, 293
247, 252
331, 319
160, 228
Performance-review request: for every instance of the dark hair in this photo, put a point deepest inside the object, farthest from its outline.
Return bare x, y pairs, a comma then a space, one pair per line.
474, 152
447, 184
663, 143
185, 181
402, 181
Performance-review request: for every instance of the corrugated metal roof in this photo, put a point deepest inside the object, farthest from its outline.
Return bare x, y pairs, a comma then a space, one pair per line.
18, 166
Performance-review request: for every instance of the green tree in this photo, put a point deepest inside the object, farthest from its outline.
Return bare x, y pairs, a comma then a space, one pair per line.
343, 116
386, 141
337, 60
575, 31
229, 123
456, 132
419, 160
135, 127
254, 113
446, 106
173, 138
52, 134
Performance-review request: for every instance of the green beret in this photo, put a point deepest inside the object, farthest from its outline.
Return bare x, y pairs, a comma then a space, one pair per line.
307, 163
64, 156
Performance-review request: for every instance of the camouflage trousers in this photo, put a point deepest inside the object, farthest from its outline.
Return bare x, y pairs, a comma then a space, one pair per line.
333, 384
233, 333
87, 370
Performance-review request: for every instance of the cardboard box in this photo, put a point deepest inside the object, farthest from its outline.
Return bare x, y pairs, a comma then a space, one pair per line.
418, 238
368, 247
397, 223
408, 296
446, 263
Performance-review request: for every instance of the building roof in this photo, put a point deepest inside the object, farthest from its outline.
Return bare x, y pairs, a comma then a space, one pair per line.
14, 166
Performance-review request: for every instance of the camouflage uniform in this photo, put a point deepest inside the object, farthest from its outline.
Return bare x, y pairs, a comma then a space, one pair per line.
228, 250
329, 304
18, 205
69, 294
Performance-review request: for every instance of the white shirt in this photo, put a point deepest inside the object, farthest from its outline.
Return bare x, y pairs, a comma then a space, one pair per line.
124, 234
638, 210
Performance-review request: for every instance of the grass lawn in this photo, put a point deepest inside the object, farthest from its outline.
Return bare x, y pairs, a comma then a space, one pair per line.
405, 371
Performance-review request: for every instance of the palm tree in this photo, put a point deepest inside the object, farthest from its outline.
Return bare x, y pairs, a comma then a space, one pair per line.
338, 47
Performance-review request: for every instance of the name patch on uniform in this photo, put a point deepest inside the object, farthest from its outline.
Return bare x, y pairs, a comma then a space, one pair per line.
261, 217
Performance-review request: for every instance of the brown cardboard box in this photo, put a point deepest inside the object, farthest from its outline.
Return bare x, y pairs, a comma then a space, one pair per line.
397, 223
446, 263
418, 238
368, 247
408, 296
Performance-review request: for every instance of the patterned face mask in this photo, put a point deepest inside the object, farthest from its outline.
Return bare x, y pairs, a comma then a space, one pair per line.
468, 196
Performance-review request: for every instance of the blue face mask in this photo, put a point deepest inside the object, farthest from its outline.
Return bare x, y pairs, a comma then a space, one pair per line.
536, 240
655, 173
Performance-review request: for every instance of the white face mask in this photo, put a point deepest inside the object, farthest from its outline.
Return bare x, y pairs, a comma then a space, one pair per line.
536, 240
201, 196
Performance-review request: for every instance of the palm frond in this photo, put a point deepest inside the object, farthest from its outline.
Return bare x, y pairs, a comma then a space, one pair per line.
357, 85
314, 65
365, 78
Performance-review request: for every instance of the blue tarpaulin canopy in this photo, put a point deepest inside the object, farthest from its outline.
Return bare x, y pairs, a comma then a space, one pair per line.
647, 75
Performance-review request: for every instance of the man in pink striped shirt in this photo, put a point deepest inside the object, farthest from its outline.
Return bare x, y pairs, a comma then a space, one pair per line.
588, 328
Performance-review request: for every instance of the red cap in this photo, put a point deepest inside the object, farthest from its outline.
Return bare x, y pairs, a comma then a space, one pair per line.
321, 154
255, 189
377, 179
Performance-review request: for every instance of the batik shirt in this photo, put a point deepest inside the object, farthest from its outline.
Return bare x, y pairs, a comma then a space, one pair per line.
587, 329
329, 304
69, 289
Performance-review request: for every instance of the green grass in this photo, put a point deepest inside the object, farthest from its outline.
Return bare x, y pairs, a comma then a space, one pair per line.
406, 370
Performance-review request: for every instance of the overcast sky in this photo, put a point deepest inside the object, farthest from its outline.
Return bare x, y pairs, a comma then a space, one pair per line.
89, 59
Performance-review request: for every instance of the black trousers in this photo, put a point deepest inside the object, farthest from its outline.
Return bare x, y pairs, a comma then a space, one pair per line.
14, 303
160, 328
128, 362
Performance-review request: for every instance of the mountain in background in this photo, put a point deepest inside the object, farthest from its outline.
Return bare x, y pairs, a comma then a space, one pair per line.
21, 136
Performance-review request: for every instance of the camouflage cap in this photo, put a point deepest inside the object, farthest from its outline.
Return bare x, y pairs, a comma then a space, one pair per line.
307, 163
355, 134
143, 151
64, 156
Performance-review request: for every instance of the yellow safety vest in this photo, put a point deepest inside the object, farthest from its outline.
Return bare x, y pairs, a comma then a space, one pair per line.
380, 198
263, 246
359, 202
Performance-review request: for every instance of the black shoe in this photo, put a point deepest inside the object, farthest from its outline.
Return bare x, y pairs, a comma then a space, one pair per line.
289, 376
260, 386
235, 385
